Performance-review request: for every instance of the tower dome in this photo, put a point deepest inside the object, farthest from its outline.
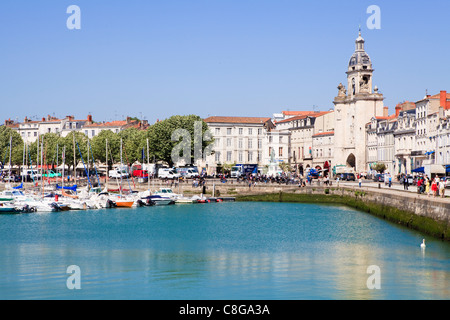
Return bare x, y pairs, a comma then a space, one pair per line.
360, 56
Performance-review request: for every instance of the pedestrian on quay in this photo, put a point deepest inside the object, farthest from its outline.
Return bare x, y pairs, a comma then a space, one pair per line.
434, 187
390, 181
442, 188
360, 182
427, 187
405, 183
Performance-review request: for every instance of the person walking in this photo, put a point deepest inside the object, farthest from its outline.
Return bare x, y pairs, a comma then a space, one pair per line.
390, 181
442, 188
427, 187
405, 183
360, 182
434, 187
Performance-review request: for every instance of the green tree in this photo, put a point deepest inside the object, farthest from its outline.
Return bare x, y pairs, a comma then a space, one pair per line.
380, 167
160, 136
80, 144
134, 141
17, 146
98, 145
286, 167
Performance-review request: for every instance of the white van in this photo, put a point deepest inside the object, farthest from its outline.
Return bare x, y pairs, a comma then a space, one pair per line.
30, 173
166, 173
119, 172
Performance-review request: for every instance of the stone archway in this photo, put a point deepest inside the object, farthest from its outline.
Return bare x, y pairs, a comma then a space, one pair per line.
351, 161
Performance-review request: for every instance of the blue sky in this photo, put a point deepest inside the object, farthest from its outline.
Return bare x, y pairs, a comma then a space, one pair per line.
153, 59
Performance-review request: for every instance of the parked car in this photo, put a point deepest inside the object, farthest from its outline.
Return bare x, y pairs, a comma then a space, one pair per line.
11, 179
166, 173
140, 173
349, 177
52, 174
119, 173
378, 177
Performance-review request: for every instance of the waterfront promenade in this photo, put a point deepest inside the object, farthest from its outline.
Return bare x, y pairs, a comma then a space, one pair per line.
418, 211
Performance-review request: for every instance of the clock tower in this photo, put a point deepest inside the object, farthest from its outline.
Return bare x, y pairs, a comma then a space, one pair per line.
354, 108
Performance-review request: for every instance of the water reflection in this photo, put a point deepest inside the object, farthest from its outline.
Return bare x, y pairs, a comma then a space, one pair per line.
283, 253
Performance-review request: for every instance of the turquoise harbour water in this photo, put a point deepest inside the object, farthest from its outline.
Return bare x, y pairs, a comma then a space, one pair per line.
226, 251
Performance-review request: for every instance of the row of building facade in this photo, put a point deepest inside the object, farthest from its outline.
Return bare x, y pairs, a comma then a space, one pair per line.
30, 130
354, 135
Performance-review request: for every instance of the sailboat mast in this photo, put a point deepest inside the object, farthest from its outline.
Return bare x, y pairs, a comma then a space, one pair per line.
64, 165
107, 173
88, 171
74, 160
148, 166
10, 153
42, 163
23, 164
121, 167
37, 158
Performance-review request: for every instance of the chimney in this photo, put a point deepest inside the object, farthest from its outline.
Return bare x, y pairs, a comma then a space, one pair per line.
443, 97
386, 112
43, 119
398, 108
128, 120
89, 119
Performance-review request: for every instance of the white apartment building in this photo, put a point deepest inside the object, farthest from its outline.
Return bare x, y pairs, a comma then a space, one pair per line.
405, 140
93, 129
243, 140
31, 130
427, 121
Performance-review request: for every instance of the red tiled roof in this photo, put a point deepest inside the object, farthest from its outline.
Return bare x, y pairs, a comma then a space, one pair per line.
387, 118
107, 124
312, 114
329, 133
437, 96
249, 120
296, 113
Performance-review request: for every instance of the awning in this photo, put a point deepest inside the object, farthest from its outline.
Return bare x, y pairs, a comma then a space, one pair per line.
419, 170
447, 168
428, 153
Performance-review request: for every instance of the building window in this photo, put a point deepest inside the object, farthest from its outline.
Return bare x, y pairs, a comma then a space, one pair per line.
241, 157
240, 144
280, 152
217, 156
217, 131
259, 143
228, 142
229, 131
229, 154
250, 156
241, 131
250, 132
259, 131
250, 143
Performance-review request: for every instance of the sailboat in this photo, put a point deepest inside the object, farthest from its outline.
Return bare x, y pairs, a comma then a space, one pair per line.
121, 200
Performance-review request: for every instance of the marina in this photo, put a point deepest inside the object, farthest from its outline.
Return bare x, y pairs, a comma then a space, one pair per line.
224, 251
